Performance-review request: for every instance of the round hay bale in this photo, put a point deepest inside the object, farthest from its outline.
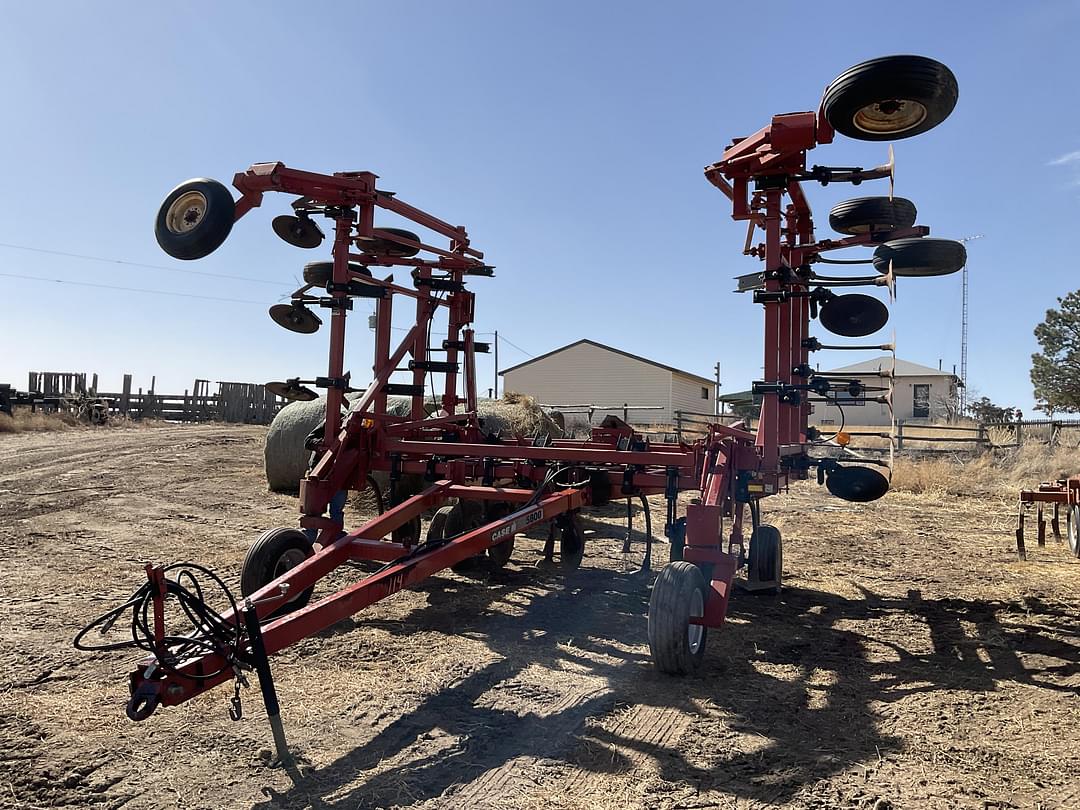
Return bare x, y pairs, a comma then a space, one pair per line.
286, 458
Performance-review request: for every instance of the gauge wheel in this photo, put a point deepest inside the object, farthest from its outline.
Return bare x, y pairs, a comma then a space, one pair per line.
890, 98
275, 552
320, 273
385, 247
920, 257
1073, 530
872, 215
766, 557
678, 595
195, 219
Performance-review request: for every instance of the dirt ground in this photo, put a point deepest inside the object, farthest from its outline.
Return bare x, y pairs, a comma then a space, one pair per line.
911, 661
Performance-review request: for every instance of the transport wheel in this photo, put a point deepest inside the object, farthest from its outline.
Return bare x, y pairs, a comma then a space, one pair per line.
195, 219
499, 554
384, 247
463, 516
1074, 530
872, 215
889, 98
320, 273
766, 557
274, 553
677, 647
920, 257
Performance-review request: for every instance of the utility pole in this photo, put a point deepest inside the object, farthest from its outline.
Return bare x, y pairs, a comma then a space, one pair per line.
496, 364
716, 397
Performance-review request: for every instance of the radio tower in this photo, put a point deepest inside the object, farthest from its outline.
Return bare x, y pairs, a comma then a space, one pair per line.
964, 330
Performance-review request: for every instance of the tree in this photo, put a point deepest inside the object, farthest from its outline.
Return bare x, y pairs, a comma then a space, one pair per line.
983, 410
1055, 371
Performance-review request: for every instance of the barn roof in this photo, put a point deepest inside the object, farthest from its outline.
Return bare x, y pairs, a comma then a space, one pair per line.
616, 351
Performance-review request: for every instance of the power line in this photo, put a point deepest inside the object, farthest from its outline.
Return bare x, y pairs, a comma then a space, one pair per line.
133, 289
504, 340
138, 264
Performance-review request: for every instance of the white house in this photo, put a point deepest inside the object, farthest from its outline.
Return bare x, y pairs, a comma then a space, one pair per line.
590, 373
921, 393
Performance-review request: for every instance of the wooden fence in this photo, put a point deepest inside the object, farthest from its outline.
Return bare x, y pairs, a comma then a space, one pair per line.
247, 403
922, 437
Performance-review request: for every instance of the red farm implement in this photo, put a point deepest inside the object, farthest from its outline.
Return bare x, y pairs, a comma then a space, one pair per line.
485, 489
1063, 494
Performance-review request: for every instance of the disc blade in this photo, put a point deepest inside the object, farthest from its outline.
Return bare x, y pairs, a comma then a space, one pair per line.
295, 318
300, 232
292, 391
892, 172
857, 484
853, 315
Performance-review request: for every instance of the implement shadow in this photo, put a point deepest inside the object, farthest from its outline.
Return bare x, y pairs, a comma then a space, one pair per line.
762, 680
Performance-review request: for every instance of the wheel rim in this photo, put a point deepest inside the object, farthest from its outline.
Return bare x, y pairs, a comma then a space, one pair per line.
186, 212
287, 561
695, 633
1073, 530
890, 116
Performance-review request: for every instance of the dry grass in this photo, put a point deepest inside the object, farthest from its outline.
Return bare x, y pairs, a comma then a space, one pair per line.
995, 472
26, 421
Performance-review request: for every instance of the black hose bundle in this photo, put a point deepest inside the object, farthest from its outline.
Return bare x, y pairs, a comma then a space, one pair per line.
210, 631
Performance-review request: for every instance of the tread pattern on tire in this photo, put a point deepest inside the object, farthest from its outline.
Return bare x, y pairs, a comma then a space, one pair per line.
872, 215
669, 611
255, 571
766, 558
909, 77
920, 257
210, 233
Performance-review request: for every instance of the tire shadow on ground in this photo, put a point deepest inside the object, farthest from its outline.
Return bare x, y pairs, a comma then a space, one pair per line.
812, 729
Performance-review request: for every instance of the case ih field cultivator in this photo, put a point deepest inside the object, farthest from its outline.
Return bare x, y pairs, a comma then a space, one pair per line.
486, 489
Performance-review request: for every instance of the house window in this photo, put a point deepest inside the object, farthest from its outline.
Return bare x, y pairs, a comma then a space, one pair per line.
920, 400
704, 392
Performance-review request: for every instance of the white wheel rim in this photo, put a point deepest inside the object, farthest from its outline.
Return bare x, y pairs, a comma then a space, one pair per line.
186, 212
891, 116
695, 633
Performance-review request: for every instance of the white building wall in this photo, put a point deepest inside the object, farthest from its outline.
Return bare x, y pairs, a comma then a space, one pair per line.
686, 394
589, 374
941, 391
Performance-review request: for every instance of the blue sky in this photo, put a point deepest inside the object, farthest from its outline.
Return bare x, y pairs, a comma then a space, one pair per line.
568, 137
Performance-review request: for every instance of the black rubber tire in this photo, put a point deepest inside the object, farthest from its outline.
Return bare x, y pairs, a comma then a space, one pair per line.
872, 215
766, 557
677, 592
853, 315
320, 273
500, 553
384, 247
463, 516
437, 527
920, 257
1073, 531
212, 228
880, 100
264, 563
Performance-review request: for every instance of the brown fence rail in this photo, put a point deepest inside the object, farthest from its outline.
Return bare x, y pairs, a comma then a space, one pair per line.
247, 403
